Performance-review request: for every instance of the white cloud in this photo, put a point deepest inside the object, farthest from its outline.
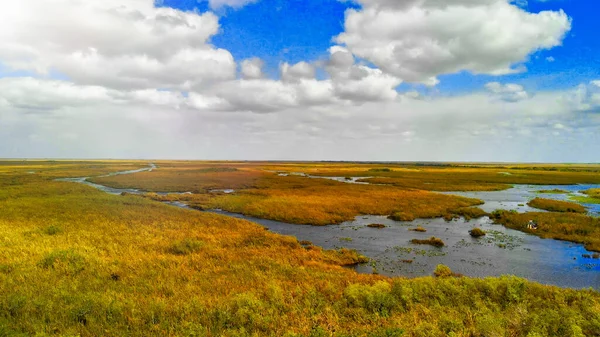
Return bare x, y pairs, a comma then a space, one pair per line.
296, 72
230, 3
507, 92
420, 39
586, 98
111, 43
252, 68
467, 127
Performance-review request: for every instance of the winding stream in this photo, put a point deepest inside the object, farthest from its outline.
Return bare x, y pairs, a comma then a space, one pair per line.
502, 251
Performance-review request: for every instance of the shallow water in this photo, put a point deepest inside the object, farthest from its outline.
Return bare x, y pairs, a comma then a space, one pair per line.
502, 251
545, 261
516, 198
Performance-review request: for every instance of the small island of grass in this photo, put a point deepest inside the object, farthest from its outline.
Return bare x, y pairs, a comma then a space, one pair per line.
433, 241
476, 232
556, 206
554, 191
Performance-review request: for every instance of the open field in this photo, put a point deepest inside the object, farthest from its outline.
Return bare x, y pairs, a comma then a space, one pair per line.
77, 261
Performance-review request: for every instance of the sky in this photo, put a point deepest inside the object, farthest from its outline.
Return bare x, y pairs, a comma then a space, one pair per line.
363, 80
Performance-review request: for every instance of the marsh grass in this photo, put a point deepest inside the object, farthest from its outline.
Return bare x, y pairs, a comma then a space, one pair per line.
432, 241
110, 274
418, 229
553, 191
572, 227
186, 246
556, 205
476, 232
376, 225
53, 230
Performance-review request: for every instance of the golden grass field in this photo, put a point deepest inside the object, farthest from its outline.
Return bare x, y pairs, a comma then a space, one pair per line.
75, 261
557, 205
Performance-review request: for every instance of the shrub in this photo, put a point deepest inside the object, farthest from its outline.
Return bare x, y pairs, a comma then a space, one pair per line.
476, 232
186, 246
442, 271
431, 241
376, 299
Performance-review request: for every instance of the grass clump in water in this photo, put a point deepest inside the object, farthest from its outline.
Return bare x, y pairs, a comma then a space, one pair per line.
418, 229
186, 246
556, 206
376, 225
433, 241
476, 232
443, 271
554, 191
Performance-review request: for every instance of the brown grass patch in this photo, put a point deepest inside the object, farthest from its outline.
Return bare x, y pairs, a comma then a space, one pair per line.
556, 205
433, 241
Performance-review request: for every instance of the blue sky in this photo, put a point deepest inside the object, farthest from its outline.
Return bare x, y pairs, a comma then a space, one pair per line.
302, 30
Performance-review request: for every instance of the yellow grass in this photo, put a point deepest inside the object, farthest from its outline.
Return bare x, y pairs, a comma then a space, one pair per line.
78, 262
572, 227
556, 205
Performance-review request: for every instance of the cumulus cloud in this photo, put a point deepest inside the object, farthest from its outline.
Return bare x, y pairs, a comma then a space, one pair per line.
586, 98
113, 44
418, 40
252, 68
296, 72
507, 92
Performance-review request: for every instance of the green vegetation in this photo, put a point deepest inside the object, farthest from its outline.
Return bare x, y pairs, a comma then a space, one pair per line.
476, 232
556, 205
593, 197
433, 241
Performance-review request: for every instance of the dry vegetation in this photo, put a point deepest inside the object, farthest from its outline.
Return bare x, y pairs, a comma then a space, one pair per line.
433, 241
572, 227
476, 232
556, 205
197, 179
78, 262
124, 265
